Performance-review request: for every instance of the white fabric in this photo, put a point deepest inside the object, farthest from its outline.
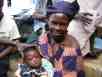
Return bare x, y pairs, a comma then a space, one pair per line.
22, 4
40, 7
81, 31
48, 67
76, 29
18, 6
90, 5
8, 28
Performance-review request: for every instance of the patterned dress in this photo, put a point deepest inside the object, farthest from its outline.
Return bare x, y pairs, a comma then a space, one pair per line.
65, 65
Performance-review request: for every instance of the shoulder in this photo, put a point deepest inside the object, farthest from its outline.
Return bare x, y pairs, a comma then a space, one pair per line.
74, 43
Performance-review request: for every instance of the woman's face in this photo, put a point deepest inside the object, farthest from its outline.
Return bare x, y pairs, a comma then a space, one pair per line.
58, 24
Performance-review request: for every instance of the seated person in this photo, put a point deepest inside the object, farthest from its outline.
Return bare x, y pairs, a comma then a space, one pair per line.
34, 65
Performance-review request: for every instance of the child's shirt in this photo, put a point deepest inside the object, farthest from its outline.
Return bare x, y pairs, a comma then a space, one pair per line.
46, 68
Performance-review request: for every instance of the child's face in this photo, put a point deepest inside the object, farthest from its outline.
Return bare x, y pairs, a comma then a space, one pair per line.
33, 59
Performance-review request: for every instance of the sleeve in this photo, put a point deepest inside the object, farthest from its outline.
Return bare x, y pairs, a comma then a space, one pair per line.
14, 32
48, 67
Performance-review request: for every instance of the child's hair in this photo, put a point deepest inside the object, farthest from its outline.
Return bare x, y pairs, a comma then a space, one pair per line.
35, 48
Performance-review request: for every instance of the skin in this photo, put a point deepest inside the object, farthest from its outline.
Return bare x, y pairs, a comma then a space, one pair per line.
8, 48
33, 59
58, 24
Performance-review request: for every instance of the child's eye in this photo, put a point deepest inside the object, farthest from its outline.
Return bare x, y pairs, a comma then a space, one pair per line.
30, 57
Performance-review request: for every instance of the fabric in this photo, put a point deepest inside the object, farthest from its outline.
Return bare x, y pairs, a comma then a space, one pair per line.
17, 4
65, 7
82, 30
62, 63
48, 67
91, 5
8, 30
45, 67
3, 75
76, 30
1, 3
40, 7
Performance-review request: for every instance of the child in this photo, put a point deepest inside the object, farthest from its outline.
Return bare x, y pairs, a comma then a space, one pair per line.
34, 65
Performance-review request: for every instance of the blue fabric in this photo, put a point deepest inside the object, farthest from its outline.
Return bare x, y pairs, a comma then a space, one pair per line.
58, 74
1, 49
69, 63
78, 52
65, 7
81, 74
3, 64
58, 53
44, 48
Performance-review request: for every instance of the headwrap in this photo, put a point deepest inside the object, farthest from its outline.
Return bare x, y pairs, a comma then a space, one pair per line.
68, 8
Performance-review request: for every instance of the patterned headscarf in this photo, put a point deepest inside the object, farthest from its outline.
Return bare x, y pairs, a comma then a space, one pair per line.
68, 8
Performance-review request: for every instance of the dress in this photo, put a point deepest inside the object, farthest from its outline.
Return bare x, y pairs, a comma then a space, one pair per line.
64, 66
